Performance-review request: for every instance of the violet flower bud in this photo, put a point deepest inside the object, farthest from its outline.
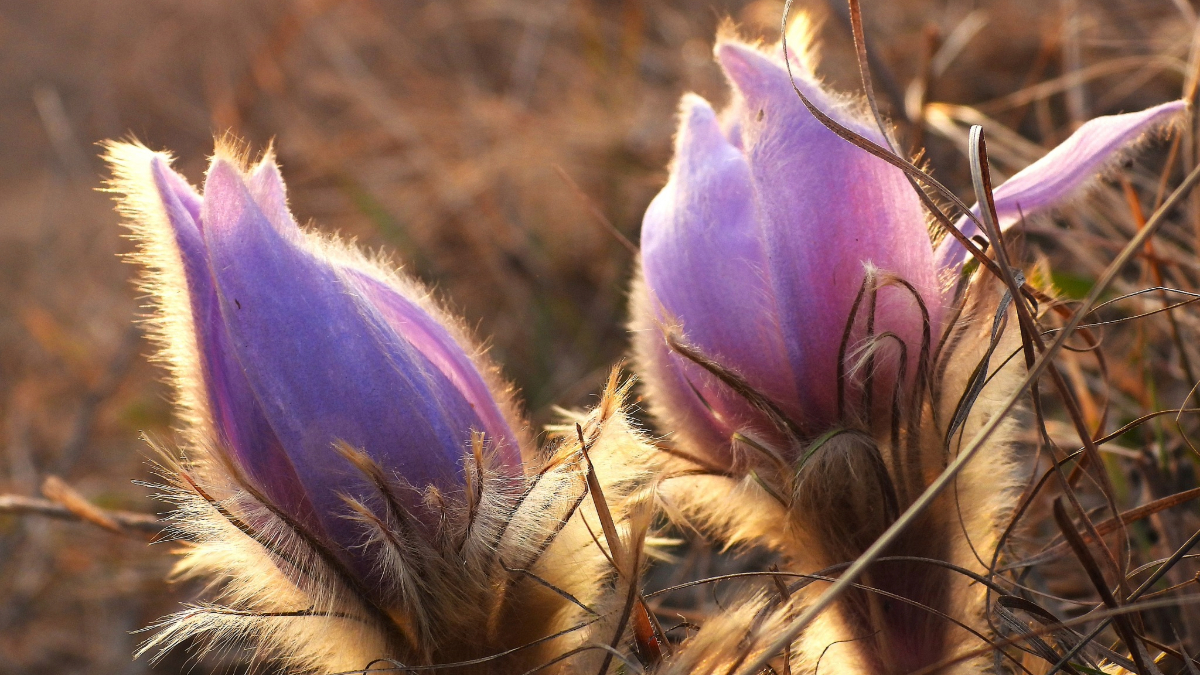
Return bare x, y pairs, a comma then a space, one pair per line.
355, 490
759, 244
301, 344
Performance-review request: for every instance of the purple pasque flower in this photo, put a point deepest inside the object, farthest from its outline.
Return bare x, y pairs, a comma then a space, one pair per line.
758, 245
300, 343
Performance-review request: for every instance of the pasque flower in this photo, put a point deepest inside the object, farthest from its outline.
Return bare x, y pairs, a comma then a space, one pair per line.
805, 341
303, 346
355, 483
758, 246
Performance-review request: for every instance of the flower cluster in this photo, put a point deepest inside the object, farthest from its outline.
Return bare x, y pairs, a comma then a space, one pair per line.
357, 484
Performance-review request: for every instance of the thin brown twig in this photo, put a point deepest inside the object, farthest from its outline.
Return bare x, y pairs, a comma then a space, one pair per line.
127, 521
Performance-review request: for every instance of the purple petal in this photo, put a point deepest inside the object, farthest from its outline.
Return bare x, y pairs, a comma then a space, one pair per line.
434, 342
324, 365
1062, 171
242, 429
827, 209
679, 392
182, 206
704, 263
406, 318
181, 193
266, 186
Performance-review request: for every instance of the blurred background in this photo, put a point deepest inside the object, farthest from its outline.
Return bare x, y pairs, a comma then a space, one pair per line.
491, 146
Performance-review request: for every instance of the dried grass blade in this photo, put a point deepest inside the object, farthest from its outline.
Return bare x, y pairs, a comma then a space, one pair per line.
127, 520
1123, 624
1031, 340
603, 512
1141, 590
1112, 525
56, 490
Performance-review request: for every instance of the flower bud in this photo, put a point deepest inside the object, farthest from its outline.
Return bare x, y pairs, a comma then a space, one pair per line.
355, 490
758, 250
290, 344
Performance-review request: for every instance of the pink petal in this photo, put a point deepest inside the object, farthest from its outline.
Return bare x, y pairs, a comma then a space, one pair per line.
1062, 171
827, 210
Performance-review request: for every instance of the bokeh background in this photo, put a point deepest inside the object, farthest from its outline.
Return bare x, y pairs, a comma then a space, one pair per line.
490, 146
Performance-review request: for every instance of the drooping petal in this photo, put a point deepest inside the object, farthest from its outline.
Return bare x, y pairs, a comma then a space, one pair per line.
1062, 171
827, 209
705, 267
324, 365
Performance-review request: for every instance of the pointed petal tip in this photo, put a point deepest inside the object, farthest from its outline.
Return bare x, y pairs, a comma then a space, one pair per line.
739, 57
227, 198
268, 169
1173, 106
159, 164
765, 79
132, 162
173, 186
225, 166
224, 180
693, 105
269, 156
698, 125
166, 176
1161, 117
1166, 111
750, 70
701, 146
122, 150
266, 185
148, 182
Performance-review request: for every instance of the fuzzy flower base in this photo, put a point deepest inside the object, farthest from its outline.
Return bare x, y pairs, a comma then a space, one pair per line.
823, 512
517, 575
